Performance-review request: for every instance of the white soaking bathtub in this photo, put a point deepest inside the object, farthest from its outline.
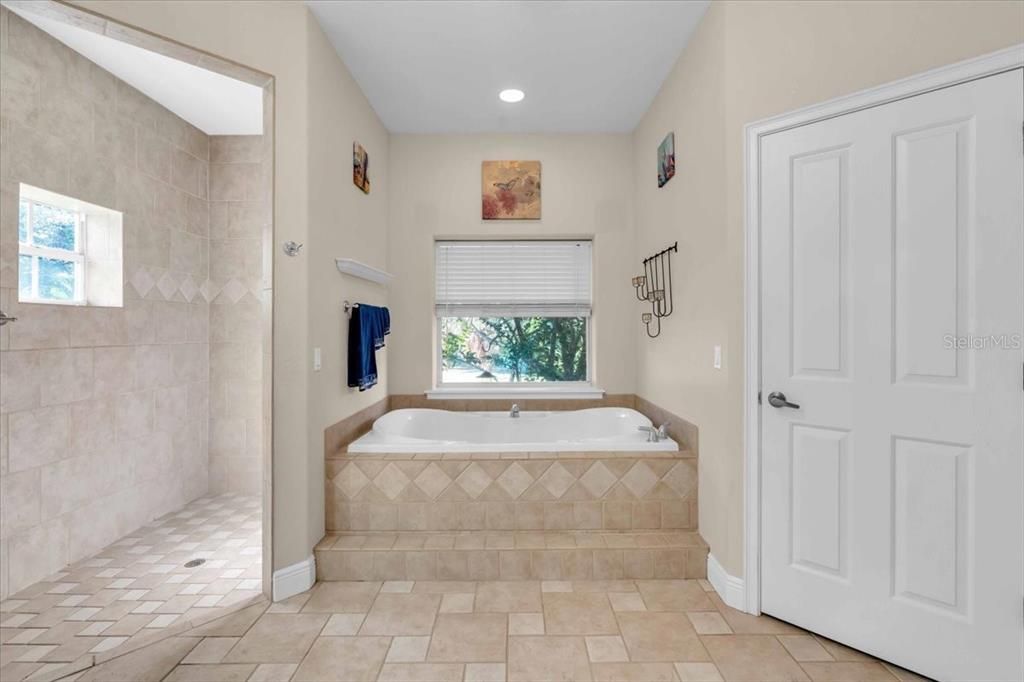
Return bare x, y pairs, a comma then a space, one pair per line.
600, 429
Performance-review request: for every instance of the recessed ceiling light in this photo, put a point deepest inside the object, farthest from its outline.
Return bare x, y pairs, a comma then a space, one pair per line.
512, 95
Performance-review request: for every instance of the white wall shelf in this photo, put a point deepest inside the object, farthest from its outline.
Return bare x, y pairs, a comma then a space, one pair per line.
352, 267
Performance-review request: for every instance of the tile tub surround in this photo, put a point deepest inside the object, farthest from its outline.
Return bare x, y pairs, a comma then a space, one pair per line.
509, 515
624, 630
138, 588
512, 491
103, 411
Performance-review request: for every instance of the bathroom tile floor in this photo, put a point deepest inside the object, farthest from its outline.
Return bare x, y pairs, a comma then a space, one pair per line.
669, 630
136, 588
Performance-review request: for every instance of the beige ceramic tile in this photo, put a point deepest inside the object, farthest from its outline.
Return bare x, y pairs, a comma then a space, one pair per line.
277, 638
227, 672
508, 596
343, 624
273, 672
840, 652
211, 650
632, 672
457, 602
401, 614
626, 601
353, 659
444, 586
754, 658
660, 637
232, 625
421, 672
408, 650
544, 659
804, 648
150, 663
674, 595
578, 614
848, 671
744, 623
698, 672
606, 649
556, 586
526, 624
709, 623
485, 672
469, 638
342, 597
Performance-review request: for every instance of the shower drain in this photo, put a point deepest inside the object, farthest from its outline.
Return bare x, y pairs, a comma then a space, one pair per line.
194, 562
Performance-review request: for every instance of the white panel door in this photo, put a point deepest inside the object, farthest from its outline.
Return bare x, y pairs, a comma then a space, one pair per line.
892, 313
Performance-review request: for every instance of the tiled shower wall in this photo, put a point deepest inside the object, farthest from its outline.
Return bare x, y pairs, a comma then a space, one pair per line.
106, 413
104, 410
240, 214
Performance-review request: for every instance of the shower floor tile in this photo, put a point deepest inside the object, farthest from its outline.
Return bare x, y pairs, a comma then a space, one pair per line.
137, 586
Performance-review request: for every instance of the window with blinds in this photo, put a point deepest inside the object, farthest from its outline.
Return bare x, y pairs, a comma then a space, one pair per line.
513, 311
514, 278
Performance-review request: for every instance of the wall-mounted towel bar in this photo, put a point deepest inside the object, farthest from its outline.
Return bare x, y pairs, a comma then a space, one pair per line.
347, 307
348, 266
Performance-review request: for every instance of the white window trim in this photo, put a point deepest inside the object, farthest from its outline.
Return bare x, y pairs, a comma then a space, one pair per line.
29, 248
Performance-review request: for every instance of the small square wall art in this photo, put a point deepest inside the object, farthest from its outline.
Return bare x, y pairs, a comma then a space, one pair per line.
360, 168
666, 159
511, 190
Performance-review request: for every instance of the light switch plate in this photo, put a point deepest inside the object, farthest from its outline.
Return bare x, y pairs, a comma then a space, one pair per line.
718, 357
316, 360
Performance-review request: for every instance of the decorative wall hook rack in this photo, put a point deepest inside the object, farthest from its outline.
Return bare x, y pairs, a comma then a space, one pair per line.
655, 287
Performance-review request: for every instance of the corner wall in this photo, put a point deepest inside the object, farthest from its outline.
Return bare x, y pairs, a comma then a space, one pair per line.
344, 223
748, 61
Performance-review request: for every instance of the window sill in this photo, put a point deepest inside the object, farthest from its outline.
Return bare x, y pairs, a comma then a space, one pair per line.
511, 393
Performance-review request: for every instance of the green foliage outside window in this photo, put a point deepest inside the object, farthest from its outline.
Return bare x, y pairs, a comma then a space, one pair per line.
513, 349
49, 227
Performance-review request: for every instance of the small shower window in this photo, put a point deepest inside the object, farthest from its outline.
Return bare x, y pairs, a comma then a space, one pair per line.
69, 251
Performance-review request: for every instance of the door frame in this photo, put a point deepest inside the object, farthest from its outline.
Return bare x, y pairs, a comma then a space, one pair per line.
749, 598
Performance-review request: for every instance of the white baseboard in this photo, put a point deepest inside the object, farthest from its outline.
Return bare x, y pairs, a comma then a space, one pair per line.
729, 587
295, 579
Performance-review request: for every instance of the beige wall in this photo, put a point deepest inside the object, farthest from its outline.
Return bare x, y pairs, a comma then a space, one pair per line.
587, 192
344, 223
747, 61
103, 411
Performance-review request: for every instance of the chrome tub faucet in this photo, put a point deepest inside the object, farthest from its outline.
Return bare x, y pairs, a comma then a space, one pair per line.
514, 412
655, 435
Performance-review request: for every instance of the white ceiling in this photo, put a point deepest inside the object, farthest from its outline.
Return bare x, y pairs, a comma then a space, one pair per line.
429, 66
216, 104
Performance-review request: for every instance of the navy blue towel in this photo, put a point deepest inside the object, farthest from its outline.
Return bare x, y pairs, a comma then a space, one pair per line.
366, 331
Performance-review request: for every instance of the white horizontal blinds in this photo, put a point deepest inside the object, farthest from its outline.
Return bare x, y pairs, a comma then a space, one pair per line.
513, 278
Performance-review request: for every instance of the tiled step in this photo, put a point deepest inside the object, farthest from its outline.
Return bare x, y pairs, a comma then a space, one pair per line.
541, 555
